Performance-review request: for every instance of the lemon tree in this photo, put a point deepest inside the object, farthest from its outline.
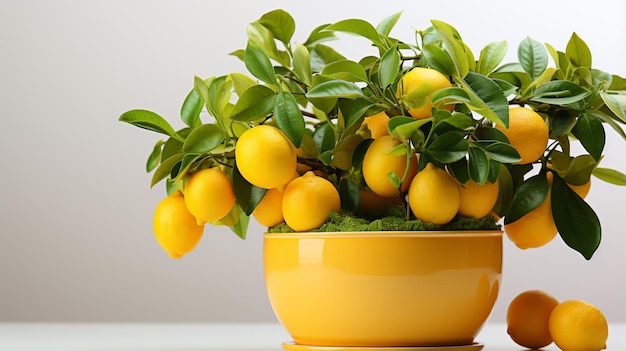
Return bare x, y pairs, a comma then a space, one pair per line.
312, 101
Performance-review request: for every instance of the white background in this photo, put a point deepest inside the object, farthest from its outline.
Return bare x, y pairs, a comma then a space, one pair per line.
76, 242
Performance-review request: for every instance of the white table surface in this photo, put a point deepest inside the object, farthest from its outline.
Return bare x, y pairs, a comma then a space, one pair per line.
198, 337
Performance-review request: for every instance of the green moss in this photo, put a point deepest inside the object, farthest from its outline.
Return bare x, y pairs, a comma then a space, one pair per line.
392, 219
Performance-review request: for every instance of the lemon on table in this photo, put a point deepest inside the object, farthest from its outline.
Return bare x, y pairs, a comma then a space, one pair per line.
577, 325
527, 318
175, 228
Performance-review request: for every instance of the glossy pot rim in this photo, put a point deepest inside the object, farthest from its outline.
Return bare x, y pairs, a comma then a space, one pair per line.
387, 234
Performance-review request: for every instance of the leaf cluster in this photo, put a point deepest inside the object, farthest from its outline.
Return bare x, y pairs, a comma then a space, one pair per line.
319, 98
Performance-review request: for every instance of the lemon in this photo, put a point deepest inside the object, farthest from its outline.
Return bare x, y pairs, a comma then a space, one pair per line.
308, 200
527, 318
175, 228
265, 157
434, 196
380, 161
477, 200
527, 133
377, 124
576, 325
421, 83
209, 195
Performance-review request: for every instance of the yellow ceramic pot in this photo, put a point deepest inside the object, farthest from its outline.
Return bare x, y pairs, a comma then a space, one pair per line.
383, 289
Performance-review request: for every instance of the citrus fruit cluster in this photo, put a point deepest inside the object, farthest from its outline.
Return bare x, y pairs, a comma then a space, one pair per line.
535, 319
426, 126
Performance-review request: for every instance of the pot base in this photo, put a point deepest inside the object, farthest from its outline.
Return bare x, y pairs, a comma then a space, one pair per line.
291, 346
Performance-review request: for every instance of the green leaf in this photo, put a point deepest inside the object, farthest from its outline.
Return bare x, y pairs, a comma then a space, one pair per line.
335, 88
358, 27
255, 103
562, 122
502, 152
289, 117
448, 147
528, 196
241, 82
405, 126
491, 56
192, 106
319, 35
533, 57
349, 194
478, 165
148, 120
389, 67
261, 36
453, 43
240, 228
615, 103
183, 167
590, 132
280, 23
345, 70
353, 110
248, 196
172, 147
324, 137
203, 139
576, 221
387, 24
302, 64
439, 59
165, 168
610, 176
155, 157
559, 92
258, 63
450, 94
578, 52
359, 153
486, 98
459, 170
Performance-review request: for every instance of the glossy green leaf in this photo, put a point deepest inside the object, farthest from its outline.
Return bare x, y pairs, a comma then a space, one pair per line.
579, 169
590, 132
505, 191
386, 25
460, 121
562, 122
183, 167
448, 147
192, 106
359, 153
450, 94
349, 194
261, 36
559, 92
258, 63
533, 57
502, 152
172, 147
578, 52
576, 221
155, 156
405, 126
478, 165
247, 195
289, 117
335, 88
345, 70
486, 98
302, 64
528, 196
353, 110
438, 59
255, 103
203, 139
165, 169
389, 67
240, 228
280, 23
491, 56
241, 82
148, 120
324, 137
319, 35
459, 170
616, 103
606, 118
610, 176
453, 43
358, 27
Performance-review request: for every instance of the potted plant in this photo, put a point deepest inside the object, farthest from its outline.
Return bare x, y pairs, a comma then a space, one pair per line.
384, 180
